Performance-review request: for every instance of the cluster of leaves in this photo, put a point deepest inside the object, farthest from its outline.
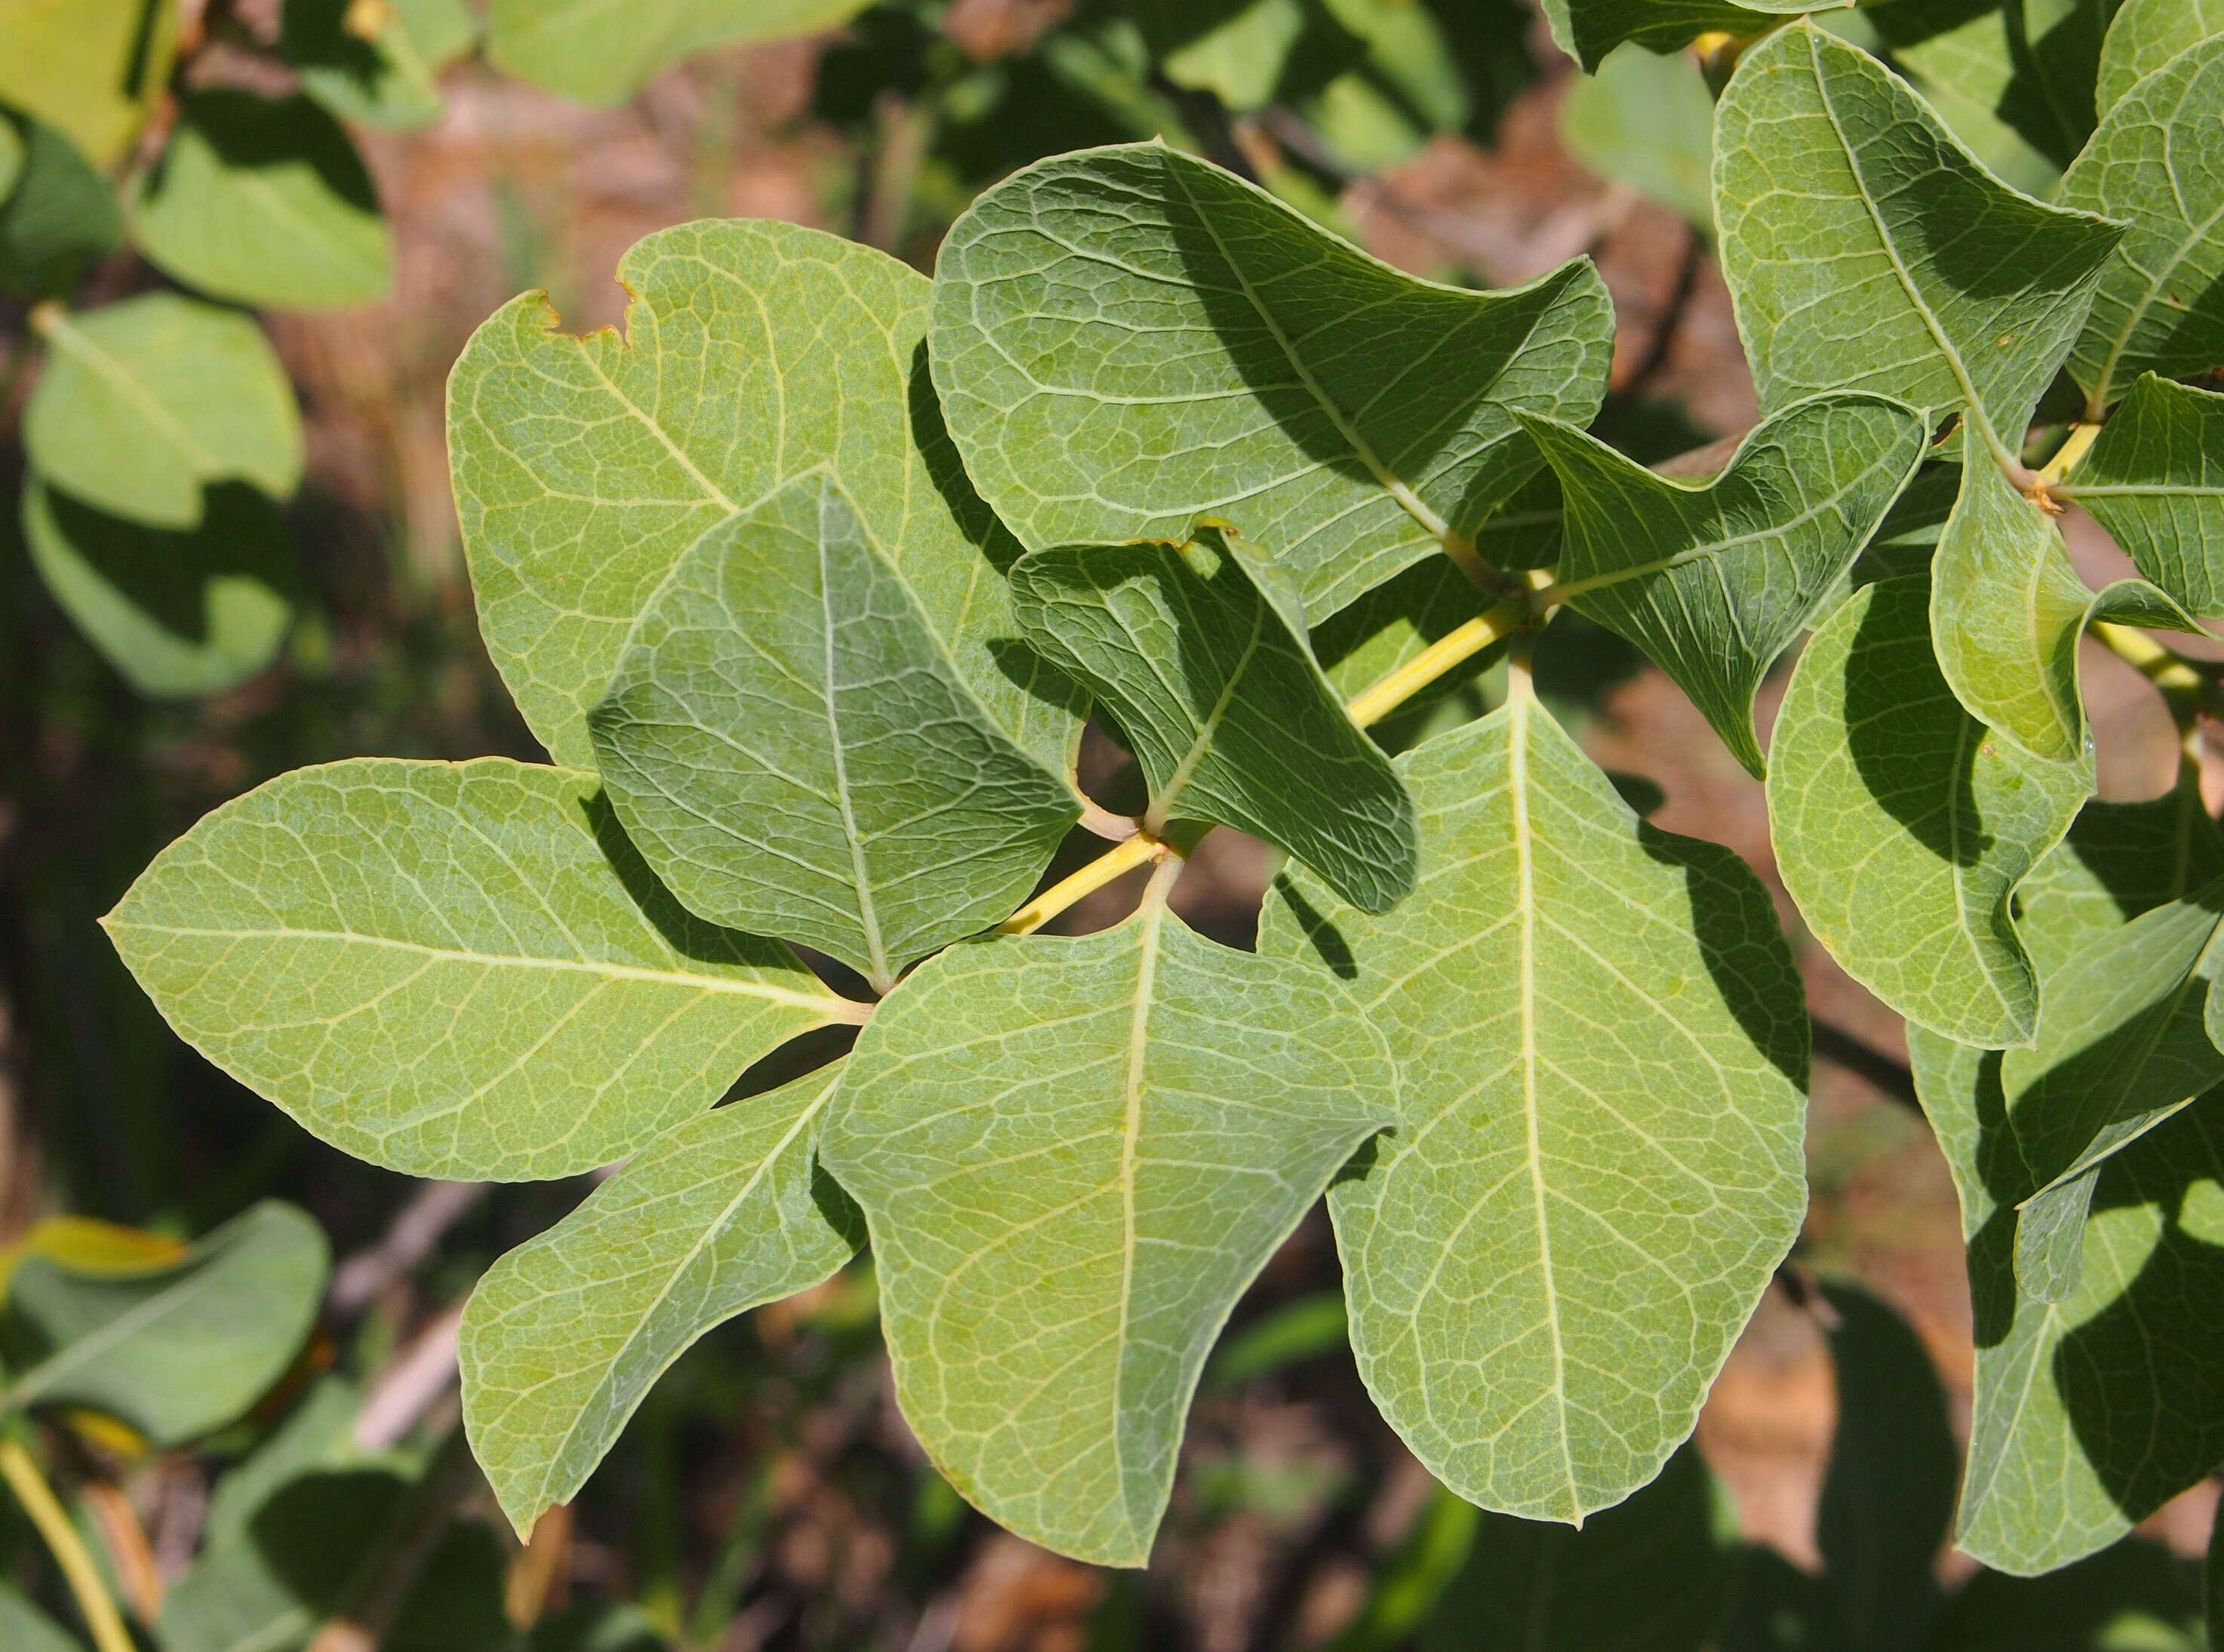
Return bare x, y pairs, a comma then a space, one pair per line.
807, 582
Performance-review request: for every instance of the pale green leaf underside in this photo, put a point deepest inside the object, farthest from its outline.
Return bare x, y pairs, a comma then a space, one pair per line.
180, 1350
1588, 29
2155, 480
264, 201
2091, 1412
141, 403
441, 968
2158, 164
1128, 341
1902, 827
602, 53
1716, 580
795, 754
565, 1334
1221, 700
755, 352
1866, 248
1073, 1155
1602, 1045
2148, 33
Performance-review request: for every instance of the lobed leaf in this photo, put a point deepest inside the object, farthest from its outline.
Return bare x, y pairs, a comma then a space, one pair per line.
143, 403
1866, 248
452, 969
175, 1349
601, 55
2146, 34
564, 1336
2155, 480
1219, 696
1902, 828
90, 68
583, 467
1602, 1048
1129, 341
1073, 1156
1716, 579
391, 79
2158, 164
795, 754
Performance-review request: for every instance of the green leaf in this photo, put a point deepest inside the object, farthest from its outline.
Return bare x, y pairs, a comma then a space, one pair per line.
1652, 1574
2155, 480
2134, 1597
795, 753
2013, 77
2119, 859
178, 1349
143, 402
602, 54
177, 613
1648, 121
264, 201
583, 467
2007, 610
2158, 163
1865, 248
60, 217
2091, 1412
1219, 696
565, 1334
2148, 33
1588, 29
1902, 828
1716, 579
1129, 341
1237, 50
1602, 1054
1406, 87
389, 77
24, 1628
319, 1433
1073, 1155
452, 969
91, 68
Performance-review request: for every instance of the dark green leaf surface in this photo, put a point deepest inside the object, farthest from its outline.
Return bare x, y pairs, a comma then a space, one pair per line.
1129, 341
1714, 580
59, 217
2119, 859
1220, 698
1073, 1155
796, 755
1591, 28
391, 79
2155, 480
24, 1628
1601, 1046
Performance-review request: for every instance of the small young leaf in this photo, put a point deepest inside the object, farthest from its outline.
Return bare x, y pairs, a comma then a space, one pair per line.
758, 352
1866, 248
1902, 828
1716, 579
140, 403
89, 67
602, 54
1073, 1155
1128, 341
177, 613
565, 1334
2146, 34
391, 79
2155, 480
796, 755
1218, 694
59, 218
264, 201
178, 1349
1588, 29
452, 969
2157, 163
1602, 1050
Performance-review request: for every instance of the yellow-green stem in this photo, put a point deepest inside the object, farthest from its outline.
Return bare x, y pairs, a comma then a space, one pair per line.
94, 1603
2184, 685
1123, 858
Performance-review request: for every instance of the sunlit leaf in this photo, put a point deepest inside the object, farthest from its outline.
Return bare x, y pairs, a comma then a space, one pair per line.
600, 54
2155, 480
2119, 859
386, 76
2013, 77
2146, 34
91, 68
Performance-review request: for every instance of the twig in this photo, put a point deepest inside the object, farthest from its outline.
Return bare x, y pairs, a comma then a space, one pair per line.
94, 1603
135, 1571
1880, 1071
407, 1389
415, 1231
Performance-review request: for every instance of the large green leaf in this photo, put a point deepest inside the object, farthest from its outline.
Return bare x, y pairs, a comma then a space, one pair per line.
387, 76
1902, 828
584, 466
176, 1349
796, 754
2158, 163
565, 1334
453, 969
143, 402
1218, 694
1588, 29
1866, 248
601, 54
2146, 34
1602, 1047
24, 1628
2091, 1412
2119, 859
91, 68
59, 217
1716, 579
1073, 1155
264, 201
2155, 480
1128, 341
177, 612
2013, 77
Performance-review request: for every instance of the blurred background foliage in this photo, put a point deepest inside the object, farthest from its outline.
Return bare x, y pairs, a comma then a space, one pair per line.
278, 223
